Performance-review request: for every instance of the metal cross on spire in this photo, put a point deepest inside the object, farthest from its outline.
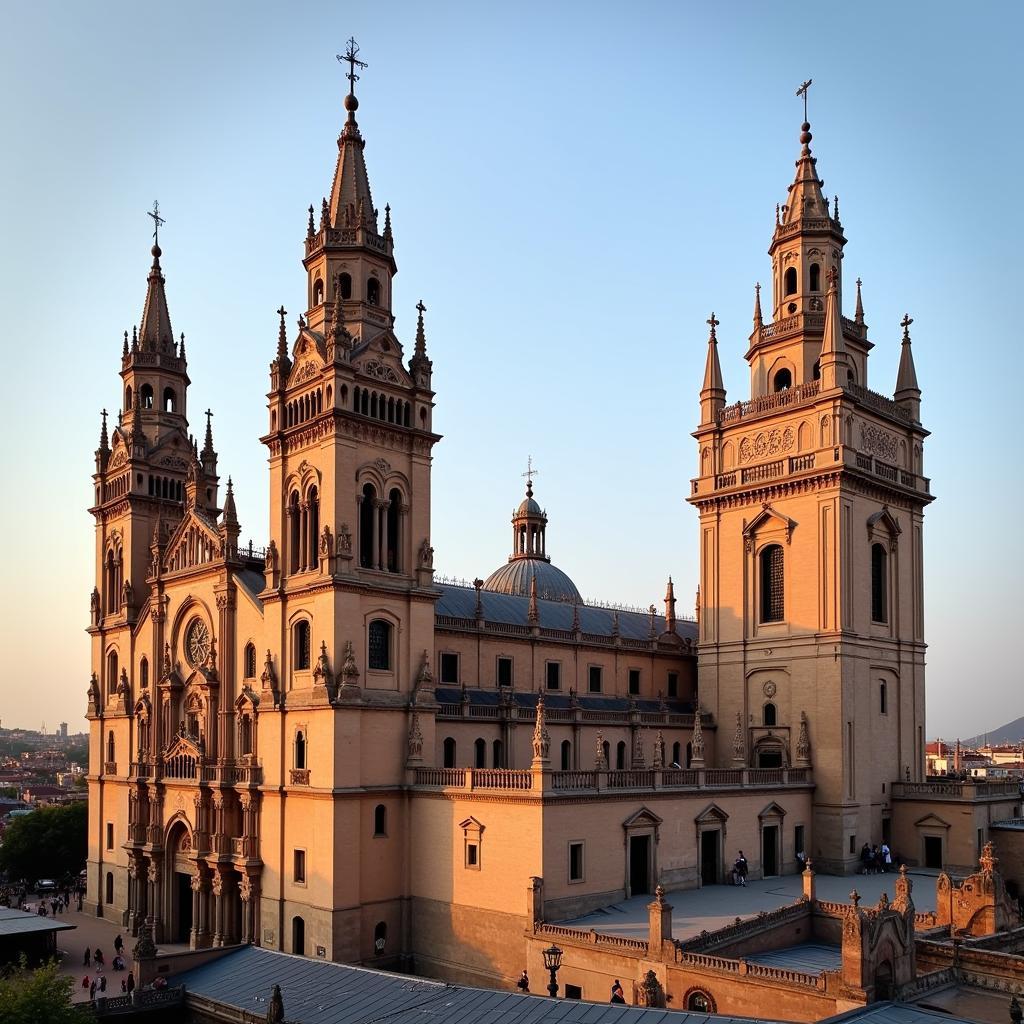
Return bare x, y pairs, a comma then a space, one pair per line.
905, 324
349, 57
157, 221
802, 91
713, 323
530, 473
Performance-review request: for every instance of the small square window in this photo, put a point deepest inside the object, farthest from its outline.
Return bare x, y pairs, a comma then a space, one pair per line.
504, 671
673, 684
573, 992
449, 668
110, 835
472, 855
594, 677
575, 862
554, 675
634, 681
299, 867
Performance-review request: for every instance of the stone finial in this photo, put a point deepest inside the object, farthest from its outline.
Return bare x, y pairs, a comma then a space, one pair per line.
670, 607
803, 743
988, 859
145, 948
600, 762
415, 752
575, 616
275, 1008
638, 751
310, 230
479, 607
541, 739
659, 751
758, 318
697, 741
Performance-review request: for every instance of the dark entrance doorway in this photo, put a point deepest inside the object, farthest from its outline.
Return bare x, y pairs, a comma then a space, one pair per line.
933, 852
887, 831
639, 865
883, 981
769, 757
769, 850
709, 857
182, 907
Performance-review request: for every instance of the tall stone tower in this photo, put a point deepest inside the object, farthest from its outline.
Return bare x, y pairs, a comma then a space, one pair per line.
811, 498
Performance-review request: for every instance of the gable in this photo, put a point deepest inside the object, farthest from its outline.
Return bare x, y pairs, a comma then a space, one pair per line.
768, 516
642, 818
931, 821
194, 543
712, 813
308, 358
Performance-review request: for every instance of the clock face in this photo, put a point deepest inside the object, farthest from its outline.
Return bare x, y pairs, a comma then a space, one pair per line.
197, 642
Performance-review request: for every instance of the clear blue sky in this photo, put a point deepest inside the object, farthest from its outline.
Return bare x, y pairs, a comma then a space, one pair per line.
575, 187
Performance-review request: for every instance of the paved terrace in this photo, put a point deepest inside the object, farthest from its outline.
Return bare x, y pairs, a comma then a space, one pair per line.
697, 910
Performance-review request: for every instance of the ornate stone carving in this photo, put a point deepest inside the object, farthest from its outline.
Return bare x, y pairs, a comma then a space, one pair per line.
767, 443
769, 689
803, 743
145, 948
426, 555
739, 746
697, 741
600, 764
638, 751
275, 1008
650, 992
270, 557
379, 370
344, 540
349, 673
878, 442
326, 542
659, 751
415, 738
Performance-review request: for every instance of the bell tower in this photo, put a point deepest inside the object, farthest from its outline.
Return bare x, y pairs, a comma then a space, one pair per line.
811, 498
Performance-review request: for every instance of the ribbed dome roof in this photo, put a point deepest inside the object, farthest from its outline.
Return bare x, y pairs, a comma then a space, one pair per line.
528, 506
514, 578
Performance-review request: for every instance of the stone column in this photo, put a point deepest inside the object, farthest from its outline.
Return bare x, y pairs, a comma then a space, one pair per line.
219, 900
155, 897
304, 536
382, 534
197, 888
660, 923
247, 894
203, 928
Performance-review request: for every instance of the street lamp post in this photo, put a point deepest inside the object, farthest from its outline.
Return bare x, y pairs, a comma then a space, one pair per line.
552, 961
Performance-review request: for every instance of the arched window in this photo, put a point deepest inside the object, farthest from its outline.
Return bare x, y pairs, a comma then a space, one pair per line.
607, 748
772, 602
380, 820
244, 735
298, 936
127, 398
301, 645
143, 674
449, 752
111, 750
498, 749
770, 714
480, 754
146, 396
294, 532
345, 285
109, 894
380, 645
111, 672
373, 291
620, 756
368, 526
394, 538
700, 1002
790, 281
380, 937
169, 399
815, 277
676, 753
566, 755
689, 754
313, 527
318, 292
300, 749
883, 706
249, 661
783, 380
879, 584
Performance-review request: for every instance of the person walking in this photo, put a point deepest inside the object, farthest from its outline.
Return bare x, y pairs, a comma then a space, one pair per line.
131, 981
118, 944
740, 870
103, 983
92, 989
98, 957
617, 994
87, 959
523, 984
886, 857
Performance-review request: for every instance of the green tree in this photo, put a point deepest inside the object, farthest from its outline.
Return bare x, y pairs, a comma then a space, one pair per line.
48, 843
42, 996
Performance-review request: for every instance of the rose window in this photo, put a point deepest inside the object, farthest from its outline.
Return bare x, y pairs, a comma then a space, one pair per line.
197, 642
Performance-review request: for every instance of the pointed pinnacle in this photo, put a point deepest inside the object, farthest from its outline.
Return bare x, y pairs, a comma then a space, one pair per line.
309, 227
758, 320
387, 220
421, 335
282, 332
858, 316
104, 440
135, 337
124, 351
181, 349
208, 441
230, 514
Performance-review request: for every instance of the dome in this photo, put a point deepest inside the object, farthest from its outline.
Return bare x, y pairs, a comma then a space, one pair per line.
529, 507
514, 578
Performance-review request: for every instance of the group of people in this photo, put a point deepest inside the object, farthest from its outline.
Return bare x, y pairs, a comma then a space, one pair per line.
96, 960
618, 996
740, 868
876, 860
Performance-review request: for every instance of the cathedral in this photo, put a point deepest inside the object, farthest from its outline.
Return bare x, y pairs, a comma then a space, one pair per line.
314, 746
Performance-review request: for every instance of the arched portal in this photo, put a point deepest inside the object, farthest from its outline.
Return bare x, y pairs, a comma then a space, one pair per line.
178, 917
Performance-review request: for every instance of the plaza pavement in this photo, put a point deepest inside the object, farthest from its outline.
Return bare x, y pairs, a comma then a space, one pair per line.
697, 910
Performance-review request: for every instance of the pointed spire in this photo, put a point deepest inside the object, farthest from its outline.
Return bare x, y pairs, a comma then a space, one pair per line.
155, 334
230, 513
387, 222
421, 335
908, 394
310, 230
858, 315
282, 336
104, 440
805, 197
712, 394
758, 319
670, 607
124, 351
419, 365
208, 441
351, 203
135, 338
834, 364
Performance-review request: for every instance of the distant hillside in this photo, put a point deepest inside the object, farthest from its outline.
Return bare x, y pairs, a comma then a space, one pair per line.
1012, 732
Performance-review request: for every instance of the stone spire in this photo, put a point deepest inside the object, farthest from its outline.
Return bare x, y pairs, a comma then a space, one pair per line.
908, 394
697, 741
712, 394
208, 449
230, 513
419, 365
858, 315
758, 319
670, 607
834, 359
805, 200
541, 739
156, 334
104, 440
351, 203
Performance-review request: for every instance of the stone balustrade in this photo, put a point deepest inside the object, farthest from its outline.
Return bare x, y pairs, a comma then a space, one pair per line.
940, 788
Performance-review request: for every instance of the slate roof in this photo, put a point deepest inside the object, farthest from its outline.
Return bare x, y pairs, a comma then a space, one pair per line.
321, 992
460, 602
808, 958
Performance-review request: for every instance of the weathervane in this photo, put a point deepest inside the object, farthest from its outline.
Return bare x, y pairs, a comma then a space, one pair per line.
157, 221
349, 57
802, 91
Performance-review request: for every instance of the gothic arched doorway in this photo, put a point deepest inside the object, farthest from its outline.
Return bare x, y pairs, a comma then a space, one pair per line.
883, 981
180, 866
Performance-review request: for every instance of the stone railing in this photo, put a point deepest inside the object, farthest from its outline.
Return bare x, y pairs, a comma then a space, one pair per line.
591, 938
770, 403
574, 780
878, 403
232, 774
140, 999
632, 778
742, 929
950, 789
744, 968
475, 778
